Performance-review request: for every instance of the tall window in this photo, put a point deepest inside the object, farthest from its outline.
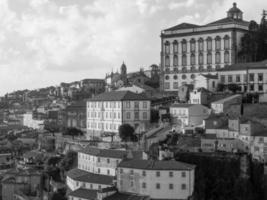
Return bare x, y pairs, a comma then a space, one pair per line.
200, 59
167, 47
222, 78
218, 43
218, 57
167, 61
175, 85
175, 46
184, 63
175, 60
260, 77
184, 46
193, 59
226, 57
226, 42
192, 45
209, 58
200, 44
209, 44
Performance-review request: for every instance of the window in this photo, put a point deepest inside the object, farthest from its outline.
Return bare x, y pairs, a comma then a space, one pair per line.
260, 87
260, 77
167, 85
193, 76
209, 44
193, 59
132, 184
144, 115
144, 173
175, 85
183, 186
251, 87
200, 59
222, 78
98, 170
143, 185
184, 62
200, 44
128, 105
108, 161
183, 174
218, 57
170, 186
144, 104
209, 58
251, 77
99, 187
136, 104
218, 43
170, 174
213, 84
226, 42
167, 61
131, 172
98, 159
183, 76
167, 77
175, 77
175, 46
136, 115
237, 78
167, 47
175, 60
158, 174
121, 171
230, 79
184, 46
157, 186
108, 172
226, 57
192, 45
128, 115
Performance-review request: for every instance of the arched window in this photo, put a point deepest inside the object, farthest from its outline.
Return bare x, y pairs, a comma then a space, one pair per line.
175, 60
175, 47
226, 57
167, 61
226, 42
184, 46
184, 62
209, 44
192, 45
218, 43
183, 76
200, 44
200, 59
209, 58
167, 47
193, 59
175, 69
218, 58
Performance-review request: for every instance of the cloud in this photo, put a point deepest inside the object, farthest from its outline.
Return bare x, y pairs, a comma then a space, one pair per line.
44, 42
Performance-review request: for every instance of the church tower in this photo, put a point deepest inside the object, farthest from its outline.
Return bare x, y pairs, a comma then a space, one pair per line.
124, 73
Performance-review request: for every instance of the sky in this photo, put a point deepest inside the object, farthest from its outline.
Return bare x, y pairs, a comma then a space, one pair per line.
46, 42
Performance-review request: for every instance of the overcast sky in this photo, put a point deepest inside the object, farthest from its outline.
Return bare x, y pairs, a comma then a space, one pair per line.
45, 42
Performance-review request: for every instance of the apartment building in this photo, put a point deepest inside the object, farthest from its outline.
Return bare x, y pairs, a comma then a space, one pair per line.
156, 179
107, 111
223, 105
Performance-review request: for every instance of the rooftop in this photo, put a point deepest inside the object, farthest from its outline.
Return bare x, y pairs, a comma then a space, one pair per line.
84, 176
182, 105
124, 196
119, 96
84, 194
210, 76
245, 66
156, 165
227, 99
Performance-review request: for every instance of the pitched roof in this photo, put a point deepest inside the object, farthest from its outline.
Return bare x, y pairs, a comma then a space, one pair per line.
84, 176
107, 153
156, 165
77, 105
245, 66
210, 76
228, 20
227, 99
182, 105
182, 26
119, 96
124, 196
84, 194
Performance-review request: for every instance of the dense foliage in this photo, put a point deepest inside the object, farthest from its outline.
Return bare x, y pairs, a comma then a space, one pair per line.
126, 133
73, 132
218, 177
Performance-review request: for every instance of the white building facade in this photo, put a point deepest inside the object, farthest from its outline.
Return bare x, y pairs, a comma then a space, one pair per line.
106, 112
188, 50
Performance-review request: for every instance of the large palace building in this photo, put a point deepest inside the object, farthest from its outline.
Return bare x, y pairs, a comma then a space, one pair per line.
188, 50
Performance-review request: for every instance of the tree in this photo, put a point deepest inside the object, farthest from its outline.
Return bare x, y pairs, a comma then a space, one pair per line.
73, 132
154, 116
51, 126
221, 87
60, 194
52, 161
126, 133
69, 161
234, 87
